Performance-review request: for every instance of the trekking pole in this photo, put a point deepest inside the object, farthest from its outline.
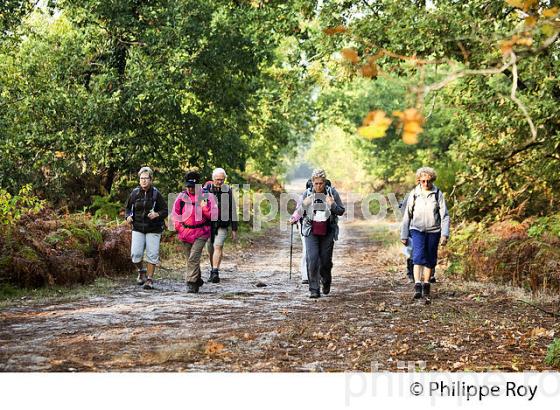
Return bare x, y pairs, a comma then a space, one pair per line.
291, 247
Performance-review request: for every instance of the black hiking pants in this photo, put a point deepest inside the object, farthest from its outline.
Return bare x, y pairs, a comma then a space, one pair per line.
319, 251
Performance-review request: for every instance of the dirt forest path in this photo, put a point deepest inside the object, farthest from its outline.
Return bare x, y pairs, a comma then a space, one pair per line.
368, 321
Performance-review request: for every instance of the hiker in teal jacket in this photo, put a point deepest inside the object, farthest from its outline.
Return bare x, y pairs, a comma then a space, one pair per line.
426, 220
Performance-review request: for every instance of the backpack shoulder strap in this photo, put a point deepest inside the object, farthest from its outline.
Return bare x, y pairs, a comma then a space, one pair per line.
182, 202
411, 209
155, 194
438, 192
134, 195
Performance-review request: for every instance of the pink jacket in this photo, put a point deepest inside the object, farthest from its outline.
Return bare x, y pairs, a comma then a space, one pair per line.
196, 219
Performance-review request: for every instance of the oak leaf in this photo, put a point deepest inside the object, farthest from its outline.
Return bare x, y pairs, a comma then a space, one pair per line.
369, 70
548, 30
350, 54
411, 123
213, 347
375, 125
523, 4
331, 31
531, 21
551, 12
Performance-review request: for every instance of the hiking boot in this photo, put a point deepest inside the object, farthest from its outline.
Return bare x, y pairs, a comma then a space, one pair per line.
149, 284
426, 290
314, 294
305, 282
432, 279
417, 290
192, 287
326, 288
199, 282
141, 279
214, 276
426, 293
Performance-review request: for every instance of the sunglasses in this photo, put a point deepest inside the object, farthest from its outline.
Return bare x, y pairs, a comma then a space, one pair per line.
425, 181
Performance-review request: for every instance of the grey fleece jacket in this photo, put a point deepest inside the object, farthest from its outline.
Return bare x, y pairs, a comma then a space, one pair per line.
336, 209
424, 216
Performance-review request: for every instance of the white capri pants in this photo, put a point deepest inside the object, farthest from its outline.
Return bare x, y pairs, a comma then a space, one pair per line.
145, 241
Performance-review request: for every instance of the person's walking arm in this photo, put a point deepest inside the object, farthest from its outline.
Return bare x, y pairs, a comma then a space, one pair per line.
405, 225
337, 207
233, 217
298, 213
129, 209
161, 207
445, 222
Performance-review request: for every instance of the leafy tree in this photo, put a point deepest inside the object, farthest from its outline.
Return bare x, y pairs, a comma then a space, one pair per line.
103, 88
483, 75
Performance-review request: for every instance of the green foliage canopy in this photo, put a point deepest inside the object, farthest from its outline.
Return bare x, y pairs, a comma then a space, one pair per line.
102, 88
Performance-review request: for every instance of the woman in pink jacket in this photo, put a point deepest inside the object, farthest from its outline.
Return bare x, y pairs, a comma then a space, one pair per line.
193, 212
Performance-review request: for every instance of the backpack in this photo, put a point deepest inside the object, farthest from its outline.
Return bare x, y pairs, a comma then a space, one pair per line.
181, 205
204, 195
411, 209
318, 227
209, 189
136, 191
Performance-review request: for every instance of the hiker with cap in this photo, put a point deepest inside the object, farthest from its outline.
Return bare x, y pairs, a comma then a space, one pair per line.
193, 211
426, 220
319, 208
145, 210
227, 216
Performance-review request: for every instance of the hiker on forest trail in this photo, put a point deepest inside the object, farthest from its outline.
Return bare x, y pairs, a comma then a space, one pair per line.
426, 220
193, 211
407, 250
145, 210
319, 208
227, 216
303, 262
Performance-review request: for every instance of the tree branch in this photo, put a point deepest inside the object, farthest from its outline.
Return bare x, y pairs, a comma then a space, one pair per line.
518, 101
365, 3
540, 308
463, 73
514, 152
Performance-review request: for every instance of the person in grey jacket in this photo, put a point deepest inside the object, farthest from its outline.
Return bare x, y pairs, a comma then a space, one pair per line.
319, 206
426, 221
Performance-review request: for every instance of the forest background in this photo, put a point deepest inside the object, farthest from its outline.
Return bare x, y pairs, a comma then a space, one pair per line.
92, 90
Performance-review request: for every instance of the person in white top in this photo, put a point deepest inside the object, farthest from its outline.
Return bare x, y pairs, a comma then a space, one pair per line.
426, 220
